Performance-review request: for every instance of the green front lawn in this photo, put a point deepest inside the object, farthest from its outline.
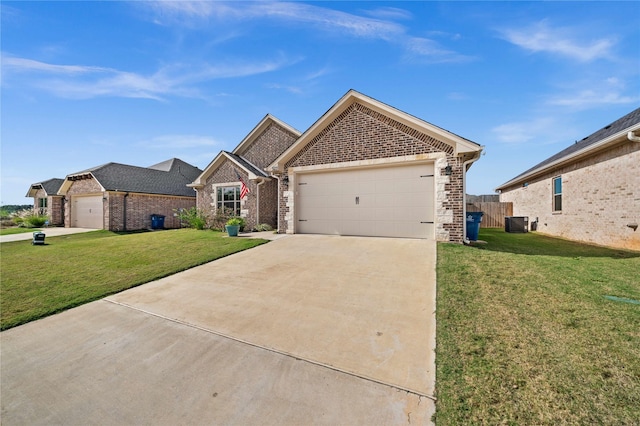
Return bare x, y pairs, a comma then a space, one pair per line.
525, 334
68, 271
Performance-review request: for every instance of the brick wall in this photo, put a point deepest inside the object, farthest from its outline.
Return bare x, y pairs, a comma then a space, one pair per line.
268, 146
225, 175
360, 133
54, 209
600, 197
140, 207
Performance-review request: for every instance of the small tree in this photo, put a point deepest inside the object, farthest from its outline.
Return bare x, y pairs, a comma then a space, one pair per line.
193, 218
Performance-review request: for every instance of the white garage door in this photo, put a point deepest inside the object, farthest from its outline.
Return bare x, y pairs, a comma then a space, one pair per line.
87, 212
385, 202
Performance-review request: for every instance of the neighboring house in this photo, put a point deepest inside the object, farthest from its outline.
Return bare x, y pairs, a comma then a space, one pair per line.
46, 200
218, 187
364, 168
119, 197
588, 192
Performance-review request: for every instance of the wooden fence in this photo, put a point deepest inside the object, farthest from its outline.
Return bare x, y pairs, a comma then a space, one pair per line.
494, 213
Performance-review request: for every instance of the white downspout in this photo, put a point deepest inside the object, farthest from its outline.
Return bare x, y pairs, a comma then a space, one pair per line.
258, 201
465, 240
632, 136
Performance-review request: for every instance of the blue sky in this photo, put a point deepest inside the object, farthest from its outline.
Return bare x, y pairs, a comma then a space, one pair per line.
86, 83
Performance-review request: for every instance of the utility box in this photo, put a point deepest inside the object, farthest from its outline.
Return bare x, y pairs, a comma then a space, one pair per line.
38, 238
516, 224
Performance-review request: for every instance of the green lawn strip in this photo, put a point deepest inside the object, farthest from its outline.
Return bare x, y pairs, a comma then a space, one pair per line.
68, 271
526, 336
12, 231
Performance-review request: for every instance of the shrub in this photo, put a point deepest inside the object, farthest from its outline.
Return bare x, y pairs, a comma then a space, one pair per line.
36, 221
263, 227
221, 217
236, 221
193, 218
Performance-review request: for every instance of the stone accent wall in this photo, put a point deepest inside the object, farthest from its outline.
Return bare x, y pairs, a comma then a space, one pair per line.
81, 187
268, 146
600, 198
360, 133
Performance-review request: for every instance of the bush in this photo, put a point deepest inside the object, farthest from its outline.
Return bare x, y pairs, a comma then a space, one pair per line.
26, 219
236, 221
220, 219
263, 227
193, 218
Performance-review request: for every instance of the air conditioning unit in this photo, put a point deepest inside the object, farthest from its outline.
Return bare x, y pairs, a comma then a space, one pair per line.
516, 224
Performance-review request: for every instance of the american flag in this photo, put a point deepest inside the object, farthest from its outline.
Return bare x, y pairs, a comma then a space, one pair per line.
244, 190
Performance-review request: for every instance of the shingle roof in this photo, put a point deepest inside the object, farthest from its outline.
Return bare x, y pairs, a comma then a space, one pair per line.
167, 178
617, 126
247, 165
50, 187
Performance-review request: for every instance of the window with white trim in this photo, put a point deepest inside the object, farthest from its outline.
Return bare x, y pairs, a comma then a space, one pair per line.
228, 199
557, 194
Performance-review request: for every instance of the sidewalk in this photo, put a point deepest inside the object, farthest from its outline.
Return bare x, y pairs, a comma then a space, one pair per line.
49, 232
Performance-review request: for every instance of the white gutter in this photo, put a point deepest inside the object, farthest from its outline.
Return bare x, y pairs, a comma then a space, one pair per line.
632, 136
465, 240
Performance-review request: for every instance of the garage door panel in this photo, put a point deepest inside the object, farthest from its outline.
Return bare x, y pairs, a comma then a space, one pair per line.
87, 212
384, 201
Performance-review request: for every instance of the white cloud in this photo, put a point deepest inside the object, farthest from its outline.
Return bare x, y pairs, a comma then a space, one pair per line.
541, 130
590, 94
378, 27
432, 52
541, 37
84, 82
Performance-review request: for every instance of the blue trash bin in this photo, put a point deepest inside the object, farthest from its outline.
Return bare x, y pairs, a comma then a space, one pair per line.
473, 225
157, 221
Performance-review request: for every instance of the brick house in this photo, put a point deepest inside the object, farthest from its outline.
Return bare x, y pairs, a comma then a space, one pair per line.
46, 200
587, 192
120, 197
363, 168
218, 187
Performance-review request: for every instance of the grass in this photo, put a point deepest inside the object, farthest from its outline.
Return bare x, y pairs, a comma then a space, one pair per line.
16, 230
68, 271
525, 334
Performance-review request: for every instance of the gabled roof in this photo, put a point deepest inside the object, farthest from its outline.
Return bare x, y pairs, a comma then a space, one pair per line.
236, 155
601, 139
167, 178
253, 171
51, 187
257, 131
460, 145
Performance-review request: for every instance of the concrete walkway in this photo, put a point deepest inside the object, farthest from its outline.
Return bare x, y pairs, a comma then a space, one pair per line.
49, 232
303, 330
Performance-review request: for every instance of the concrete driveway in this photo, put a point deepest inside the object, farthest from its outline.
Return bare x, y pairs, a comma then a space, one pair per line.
49, 232
303, 330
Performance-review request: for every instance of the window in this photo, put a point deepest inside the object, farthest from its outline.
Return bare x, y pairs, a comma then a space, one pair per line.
42, 203
557, 194
228, 198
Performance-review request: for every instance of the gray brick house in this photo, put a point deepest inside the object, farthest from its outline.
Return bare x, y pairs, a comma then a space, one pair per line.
46, 200
589, 191
120, 197
363, 168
